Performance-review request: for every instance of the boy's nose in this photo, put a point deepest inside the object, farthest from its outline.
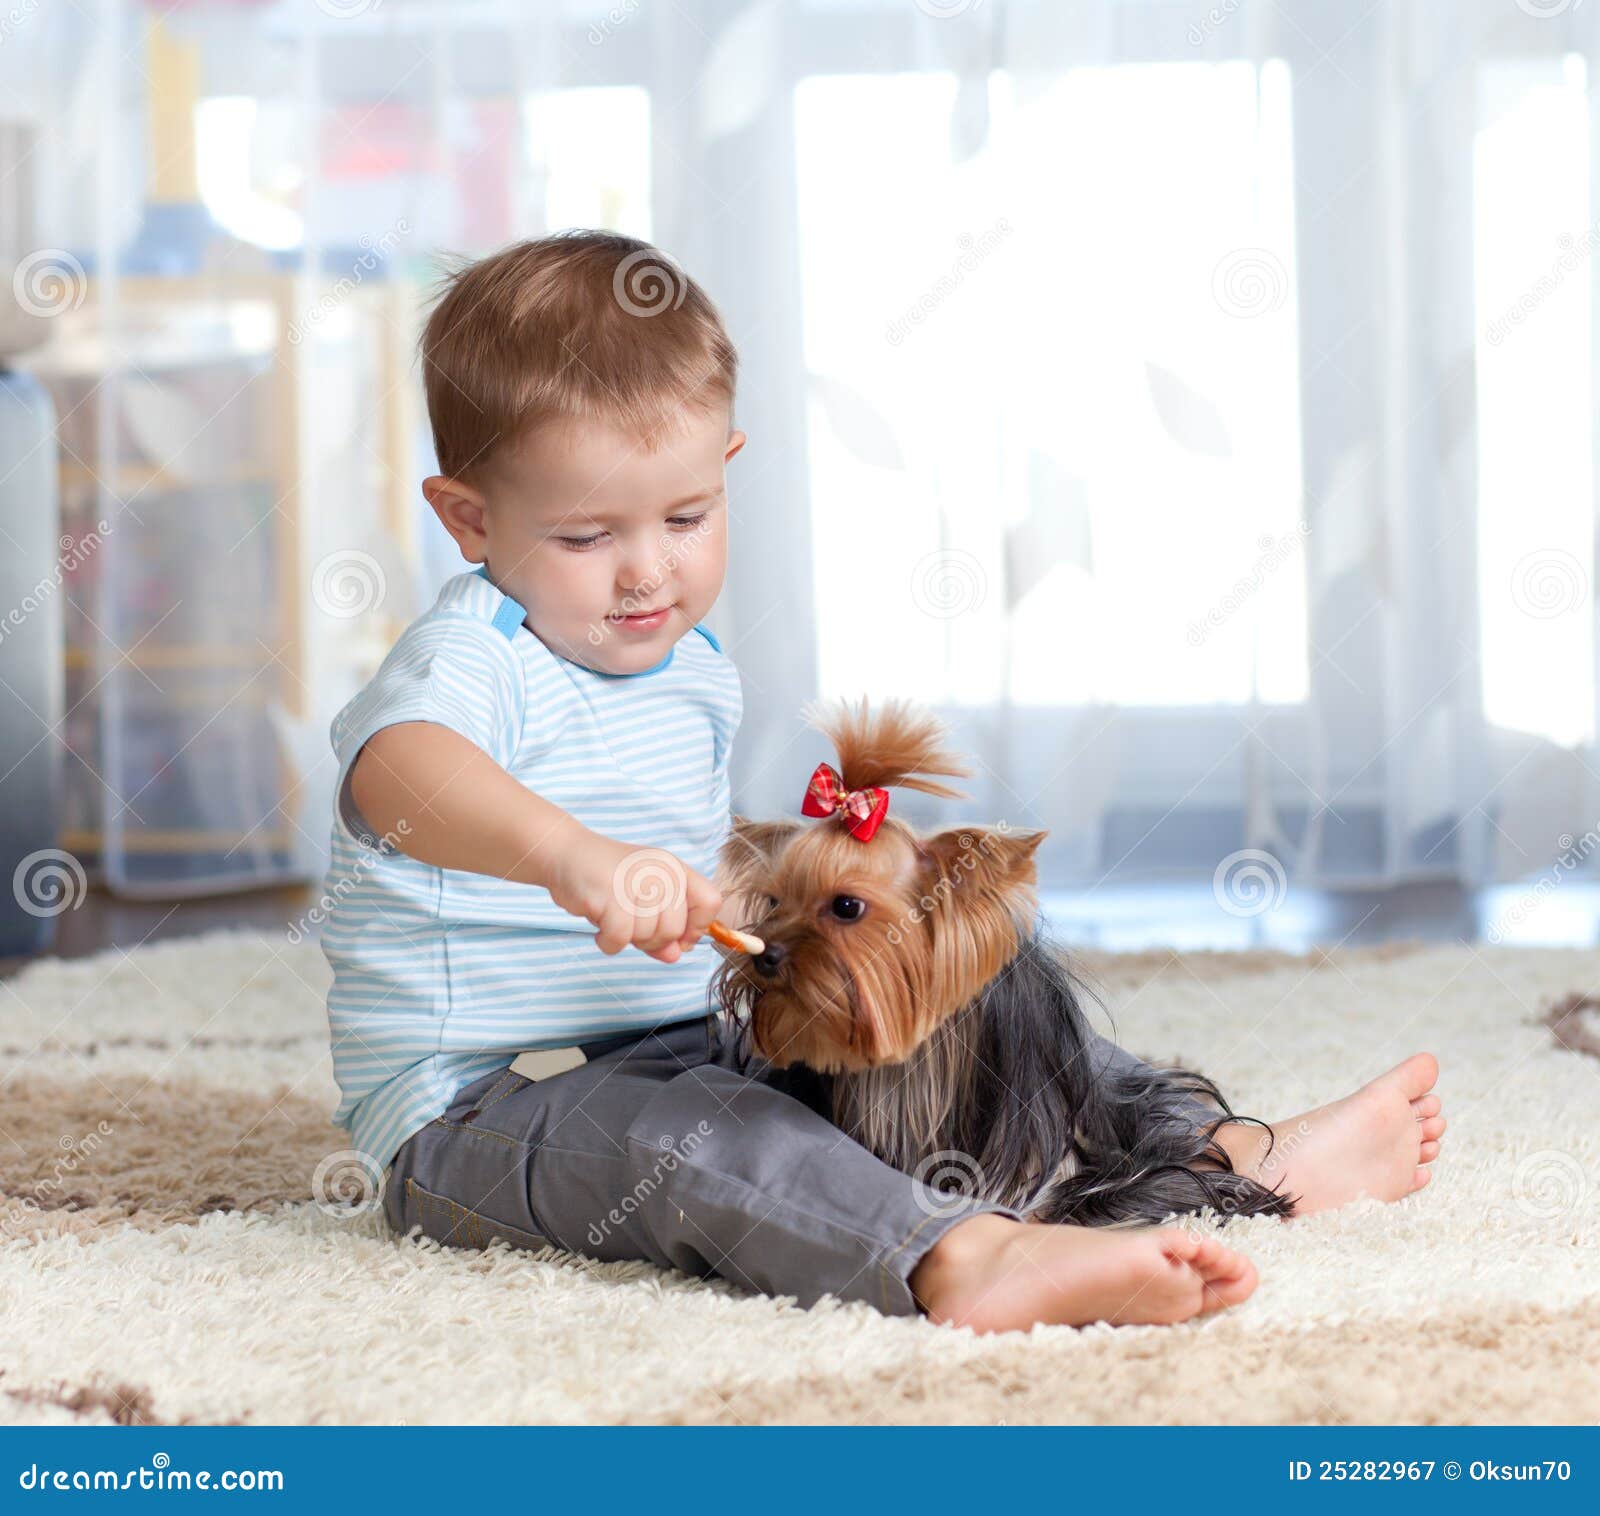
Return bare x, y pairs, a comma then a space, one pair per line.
639, 579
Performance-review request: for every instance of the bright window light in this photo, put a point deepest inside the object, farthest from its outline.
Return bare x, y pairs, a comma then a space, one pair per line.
225, 126
1052, 339
1535, 247
593, 146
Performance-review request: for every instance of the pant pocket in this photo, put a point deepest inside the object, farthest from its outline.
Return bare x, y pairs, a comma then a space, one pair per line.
458, 1226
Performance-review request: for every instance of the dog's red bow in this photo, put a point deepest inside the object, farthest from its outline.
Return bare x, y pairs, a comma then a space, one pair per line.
861, 810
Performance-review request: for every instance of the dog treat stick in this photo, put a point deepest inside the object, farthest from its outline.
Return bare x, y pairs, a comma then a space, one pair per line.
740, 942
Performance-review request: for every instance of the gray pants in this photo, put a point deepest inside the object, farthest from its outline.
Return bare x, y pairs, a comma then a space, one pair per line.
664, 1146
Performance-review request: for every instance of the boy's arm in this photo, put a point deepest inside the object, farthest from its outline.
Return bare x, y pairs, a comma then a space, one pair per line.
440, 798
461, 810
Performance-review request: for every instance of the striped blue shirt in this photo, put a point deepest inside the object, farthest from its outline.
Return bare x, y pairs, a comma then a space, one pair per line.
442, 975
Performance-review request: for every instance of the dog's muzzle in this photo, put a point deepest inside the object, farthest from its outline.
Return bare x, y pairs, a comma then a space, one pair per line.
769, 960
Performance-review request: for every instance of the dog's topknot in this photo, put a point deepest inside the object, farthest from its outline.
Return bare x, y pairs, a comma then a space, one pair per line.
899, 743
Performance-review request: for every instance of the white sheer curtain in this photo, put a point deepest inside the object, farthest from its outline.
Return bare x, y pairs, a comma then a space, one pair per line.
1201, 411
1192, 401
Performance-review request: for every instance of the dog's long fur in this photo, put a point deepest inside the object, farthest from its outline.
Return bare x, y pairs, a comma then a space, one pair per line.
944, 1032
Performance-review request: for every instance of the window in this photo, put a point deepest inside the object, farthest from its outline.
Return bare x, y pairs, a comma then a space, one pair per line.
1055, 371
1535, 243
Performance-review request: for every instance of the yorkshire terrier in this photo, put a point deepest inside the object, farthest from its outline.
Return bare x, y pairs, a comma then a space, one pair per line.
910, 975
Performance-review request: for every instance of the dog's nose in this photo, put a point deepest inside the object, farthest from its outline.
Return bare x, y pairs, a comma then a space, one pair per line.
770, 959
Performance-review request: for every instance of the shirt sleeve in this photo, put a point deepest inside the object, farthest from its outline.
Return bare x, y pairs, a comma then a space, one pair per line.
448, 668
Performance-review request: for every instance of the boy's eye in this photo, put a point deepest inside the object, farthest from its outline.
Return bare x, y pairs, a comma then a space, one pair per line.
578, 544
687, 522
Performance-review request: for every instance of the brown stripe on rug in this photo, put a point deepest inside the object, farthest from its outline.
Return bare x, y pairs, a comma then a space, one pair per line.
78, 1156
1523, 1365
1575, 1021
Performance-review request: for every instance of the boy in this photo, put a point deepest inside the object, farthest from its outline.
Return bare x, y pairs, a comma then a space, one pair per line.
540, 768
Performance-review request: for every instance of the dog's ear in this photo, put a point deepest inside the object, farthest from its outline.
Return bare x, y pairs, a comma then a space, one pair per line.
748, 856
995, 858
977, 892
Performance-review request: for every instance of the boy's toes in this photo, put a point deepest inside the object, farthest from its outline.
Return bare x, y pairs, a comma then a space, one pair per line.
1428, 1152
1181, 1245
1418, 1074
1420, 1179
1428, 1105
1230, 1278
1432, 1129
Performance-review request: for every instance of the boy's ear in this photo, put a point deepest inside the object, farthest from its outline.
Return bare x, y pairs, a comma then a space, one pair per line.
459, 507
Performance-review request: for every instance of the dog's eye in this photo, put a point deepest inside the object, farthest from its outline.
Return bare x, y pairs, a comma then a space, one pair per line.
848, 907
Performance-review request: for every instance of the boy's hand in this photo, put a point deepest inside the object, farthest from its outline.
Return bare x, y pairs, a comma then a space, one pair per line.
640, 895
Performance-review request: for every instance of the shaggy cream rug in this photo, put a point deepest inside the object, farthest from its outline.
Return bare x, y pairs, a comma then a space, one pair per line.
163, 1260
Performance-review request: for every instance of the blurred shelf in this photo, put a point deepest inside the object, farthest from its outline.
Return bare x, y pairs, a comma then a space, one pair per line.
139, 478
79, 841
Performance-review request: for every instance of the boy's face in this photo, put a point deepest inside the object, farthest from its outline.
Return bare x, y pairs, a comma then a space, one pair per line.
615, 551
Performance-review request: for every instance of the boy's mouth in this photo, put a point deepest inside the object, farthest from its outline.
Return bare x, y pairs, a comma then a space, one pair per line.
640, 621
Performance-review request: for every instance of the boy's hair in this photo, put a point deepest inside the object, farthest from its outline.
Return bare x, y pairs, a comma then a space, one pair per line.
583, 324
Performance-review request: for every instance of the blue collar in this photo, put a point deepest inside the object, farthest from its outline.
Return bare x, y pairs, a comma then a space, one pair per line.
513, 614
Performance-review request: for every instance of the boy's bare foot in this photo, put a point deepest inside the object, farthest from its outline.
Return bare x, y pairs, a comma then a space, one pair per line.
1373, 1142
994, 1275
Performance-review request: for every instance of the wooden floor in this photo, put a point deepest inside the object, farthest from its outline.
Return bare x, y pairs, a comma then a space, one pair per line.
1120, 919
